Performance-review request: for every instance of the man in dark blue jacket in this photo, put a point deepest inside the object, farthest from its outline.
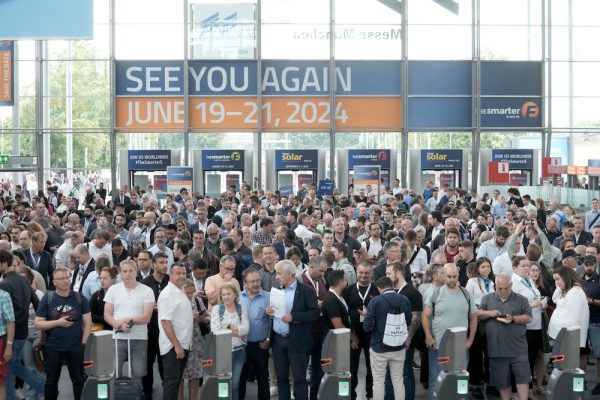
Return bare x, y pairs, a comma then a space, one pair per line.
388, 318
292, 338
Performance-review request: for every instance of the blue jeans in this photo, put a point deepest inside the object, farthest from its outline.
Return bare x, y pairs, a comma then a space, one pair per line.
237, 363
16, 368
30, 365
434, 371
409, 378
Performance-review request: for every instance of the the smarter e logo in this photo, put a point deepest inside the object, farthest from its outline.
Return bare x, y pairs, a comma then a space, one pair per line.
235, 156
382, 156
530, 109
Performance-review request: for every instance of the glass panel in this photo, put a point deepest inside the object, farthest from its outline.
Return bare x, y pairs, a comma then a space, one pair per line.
367, 140
295, 11
24, 140
295, 41
368, 42
439, 42
85, 154
101, 11
91, 112
511, 12
439, 140
222, 140
585, 112
511, 140
150, 141
25, 75
429, 12
368, 12
149, 41
149, 11
89, 78
560, 112
222, 30
25, 50
295, 140
511, 43
98, 48
27, 112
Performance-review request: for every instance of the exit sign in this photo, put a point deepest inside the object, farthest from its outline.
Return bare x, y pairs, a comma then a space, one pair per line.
4, 159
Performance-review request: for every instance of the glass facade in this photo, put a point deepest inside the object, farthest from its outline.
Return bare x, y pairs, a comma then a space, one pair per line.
294, 59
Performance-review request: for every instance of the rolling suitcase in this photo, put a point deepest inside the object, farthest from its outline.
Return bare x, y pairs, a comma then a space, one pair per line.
124, 387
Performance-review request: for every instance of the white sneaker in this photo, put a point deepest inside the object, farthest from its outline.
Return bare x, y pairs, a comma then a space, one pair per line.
273, 390
21, 394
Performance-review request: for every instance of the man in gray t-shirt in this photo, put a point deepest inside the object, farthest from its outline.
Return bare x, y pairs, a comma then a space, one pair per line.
506, 315
450, 306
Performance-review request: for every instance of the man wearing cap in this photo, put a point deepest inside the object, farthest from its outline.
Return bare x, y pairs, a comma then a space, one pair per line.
570, 259
591, 285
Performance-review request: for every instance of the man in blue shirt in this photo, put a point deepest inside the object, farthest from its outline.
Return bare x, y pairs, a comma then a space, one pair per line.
382, 355
256, 301
292, 338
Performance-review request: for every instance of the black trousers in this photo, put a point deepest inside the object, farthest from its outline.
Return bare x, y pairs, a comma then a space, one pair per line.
316, 371
54, 363
363, 347
259, 359
153, 354
174, 368
479, 363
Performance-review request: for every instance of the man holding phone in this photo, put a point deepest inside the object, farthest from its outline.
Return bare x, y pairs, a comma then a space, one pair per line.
505, 315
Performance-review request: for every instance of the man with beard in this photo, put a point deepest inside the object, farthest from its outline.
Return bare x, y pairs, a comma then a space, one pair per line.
494, 247
392, 254
395, 272
120, 221
450, 249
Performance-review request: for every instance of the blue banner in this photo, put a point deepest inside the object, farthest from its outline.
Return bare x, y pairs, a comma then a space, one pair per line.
369, 157
296, 159
511, 112
440, 112
223, 160
238, 78
148, 160
178, 178
511, 78
325, 188
439, 78
43, 19
517, 158
441, 159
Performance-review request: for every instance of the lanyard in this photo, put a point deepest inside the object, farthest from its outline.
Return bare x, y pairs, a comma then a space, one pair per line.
341, 299
363, 298
315, 284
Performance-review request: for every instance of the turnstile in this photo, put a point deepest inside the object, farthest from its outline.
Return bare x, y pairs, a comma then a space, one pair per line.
216, 363
335, 360
567, 381
453, 381
99, 366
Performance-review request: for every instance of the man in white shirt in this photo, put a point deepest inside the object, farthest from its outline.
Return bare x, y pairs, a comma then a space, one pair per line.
527, 204
128, 309
176, 326
302, 230
374, 244
101, 245
160, 245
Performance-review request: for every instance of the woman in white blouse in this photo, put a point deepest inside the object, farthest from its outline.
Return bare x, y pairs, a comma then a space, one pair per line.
229, 314
571, 305
481, 284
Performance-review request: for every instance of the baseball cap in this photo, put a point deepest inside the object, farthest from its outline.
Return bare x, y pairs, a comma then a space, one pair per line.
590, 260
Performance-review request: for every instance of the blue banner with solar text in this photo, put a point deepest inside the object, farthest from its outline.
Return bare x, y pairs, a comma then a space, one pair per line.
441, 159
296, 159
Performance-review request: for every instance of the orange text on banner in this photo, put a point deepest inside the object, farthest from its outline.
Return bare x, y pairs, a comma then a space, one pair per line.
6, 84
278, 113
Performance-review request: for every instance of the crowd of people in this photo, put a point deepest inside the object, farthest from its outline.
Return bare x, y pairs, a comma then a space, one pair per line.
508, 268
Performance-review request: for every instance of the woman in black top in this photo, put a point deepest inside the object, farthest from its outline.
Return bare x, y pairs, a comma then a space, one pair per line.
108, 277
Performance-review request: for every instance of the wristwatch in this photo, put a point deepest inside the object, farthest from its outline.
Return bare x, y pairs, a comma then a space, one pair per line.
9, 342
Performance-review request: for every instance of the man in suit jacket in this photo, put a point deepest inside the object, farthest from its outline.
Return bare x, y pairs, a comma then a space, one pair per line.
39, 259
121, 198
292, 338
281, 247
85, 265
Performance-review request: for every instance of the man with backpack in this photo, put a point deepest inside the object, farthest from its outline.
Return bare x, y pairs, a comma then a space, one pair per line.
374, 243
65, 317
388, 317
449, 306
